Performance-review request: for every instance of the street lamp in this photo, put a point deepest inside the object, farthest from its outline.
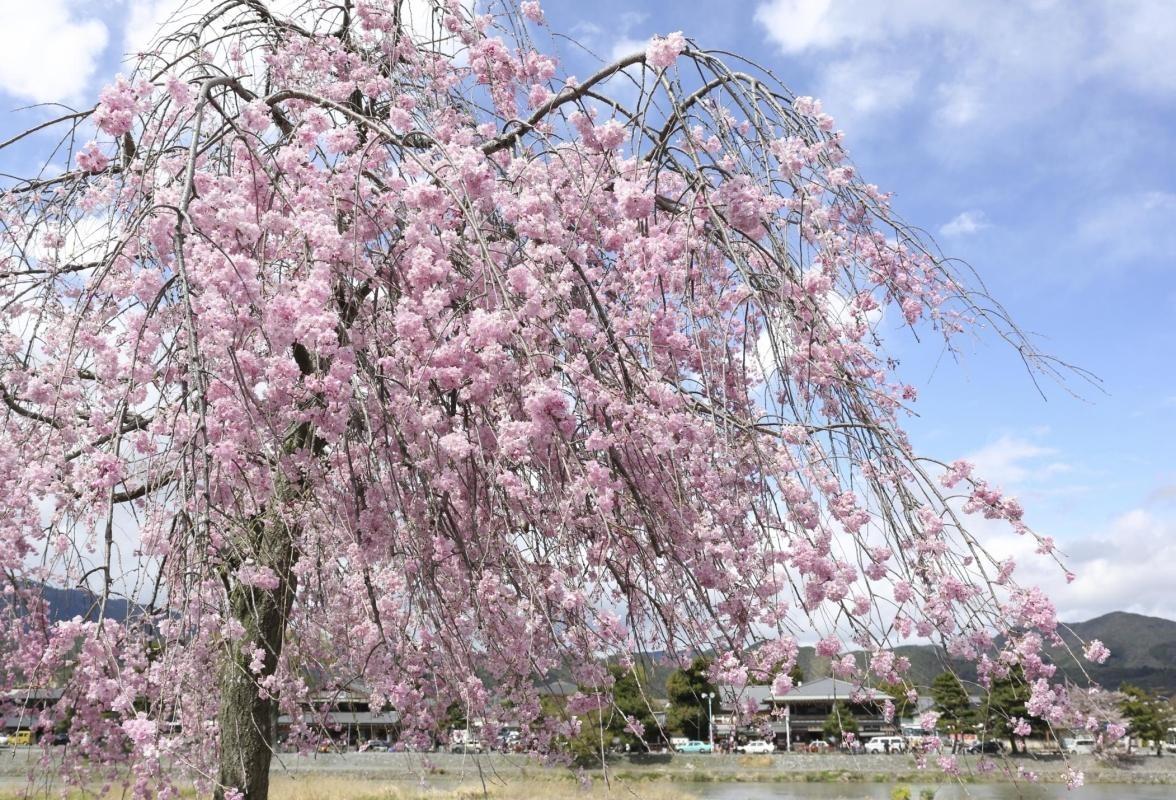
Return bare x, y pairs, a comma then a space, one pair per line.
710, 696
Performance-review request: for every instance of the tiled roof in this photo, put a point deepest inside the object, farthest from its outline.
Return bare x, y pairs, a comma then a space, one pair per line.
822, 690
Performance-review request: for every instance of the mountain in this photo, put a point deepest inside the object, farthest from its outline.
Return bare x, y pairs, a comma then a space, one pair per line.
1143, 652
66, 604
927, 661
1143, 649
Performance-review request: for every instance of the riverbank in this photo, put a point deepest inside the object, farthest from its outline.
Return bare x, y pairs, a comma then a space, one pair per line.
408, 776
685, 769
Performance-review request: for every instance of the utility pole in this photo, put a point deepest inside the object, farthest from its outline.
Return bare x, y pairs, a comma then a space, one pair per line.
710, 722
788, 728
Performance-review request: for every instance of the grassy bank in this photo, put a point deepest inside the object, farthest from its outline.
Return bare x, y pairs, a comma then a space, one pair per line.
332, 788
435, 776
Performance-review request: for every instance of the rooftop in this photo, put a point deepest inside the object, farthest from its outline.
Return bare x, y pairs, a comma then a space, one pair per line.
822, 690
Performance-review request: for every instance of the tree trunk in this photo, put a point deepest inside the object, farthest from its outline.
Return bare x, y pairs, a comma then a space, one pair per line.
249, 718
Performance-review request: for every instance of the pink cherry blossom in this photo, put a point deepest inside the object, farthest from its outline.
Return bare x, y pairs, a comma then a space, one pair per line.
1096, 651
91, 158
663, 51
118, 105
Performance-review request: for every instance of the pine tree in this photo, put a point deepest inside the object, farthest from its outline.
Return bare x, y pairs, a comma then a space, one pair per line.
840, 722
686, 689
953, 705
1148, 716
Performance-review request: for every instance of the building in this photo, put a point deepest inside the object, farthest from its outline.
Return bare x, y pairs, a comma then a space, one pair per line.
346, 717
798, 716
21, 709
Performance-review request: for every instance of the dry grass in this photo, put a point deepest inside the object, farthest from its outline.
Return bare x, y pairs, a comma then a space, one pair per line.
321, 788
328, 788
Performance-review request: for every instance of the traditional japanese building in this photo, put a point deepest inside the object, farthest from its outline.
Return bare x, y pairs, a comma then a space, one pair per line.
798, 716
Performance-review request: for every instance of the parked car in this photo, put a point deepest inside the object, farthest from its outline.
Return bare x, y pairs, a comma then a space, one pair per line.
1080, 746
465, 740
886, 744
695, 746
817, 746
21, 738
988, 747
757, 747
60, 739
468, 746
374, 746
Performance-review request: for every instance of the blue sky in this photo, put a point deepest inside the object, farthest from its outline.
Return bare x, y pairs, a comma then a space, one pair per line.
1033, 139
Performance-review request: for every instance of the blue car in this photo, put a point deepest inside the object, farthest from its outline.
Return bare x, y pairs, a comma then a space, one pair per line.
695, 746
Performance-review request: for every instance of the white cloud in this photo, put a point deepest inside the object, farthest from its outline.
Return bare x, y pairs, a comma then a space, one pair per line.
1009, 460
801, 25
983, 66
145, 19
1127, 567
87, 239
48, 49
797, 25
959, 104
1124, 566
1131, 228
1139, 45
624, 36
864, 87
626, 45
965, 223
838, 309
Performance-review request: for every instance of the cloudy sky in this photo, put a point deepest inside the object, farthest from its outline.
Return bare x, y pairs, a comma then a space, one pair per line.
1032, 138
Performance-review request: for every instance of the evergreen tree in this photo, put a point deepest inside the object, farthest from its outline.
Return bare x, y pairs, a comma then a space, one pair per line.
840, 722
956, 714
903, 707
626, 722
688, 713
1005, 706
1148, 716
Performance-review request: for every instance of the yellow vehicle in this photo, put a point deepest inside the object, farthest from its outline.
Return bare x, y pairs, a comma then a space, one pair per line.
20, 738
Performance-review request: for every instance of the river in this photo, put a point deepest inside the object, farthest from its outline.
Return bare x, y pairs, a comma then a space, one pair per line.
986, 791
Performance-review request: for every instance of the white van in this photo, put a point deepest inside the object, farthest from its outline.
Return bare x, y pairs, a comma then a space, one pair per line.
1081, 746
886, 744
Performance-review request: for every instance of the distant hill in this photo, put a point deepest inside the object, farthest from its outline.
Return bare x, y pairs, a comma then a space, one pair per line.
927, 661
1143, 649
1143, 652
65, 604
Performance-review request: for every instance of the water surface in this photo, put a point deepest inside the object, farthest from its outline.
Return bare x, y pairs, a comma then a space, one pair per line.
881, 791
